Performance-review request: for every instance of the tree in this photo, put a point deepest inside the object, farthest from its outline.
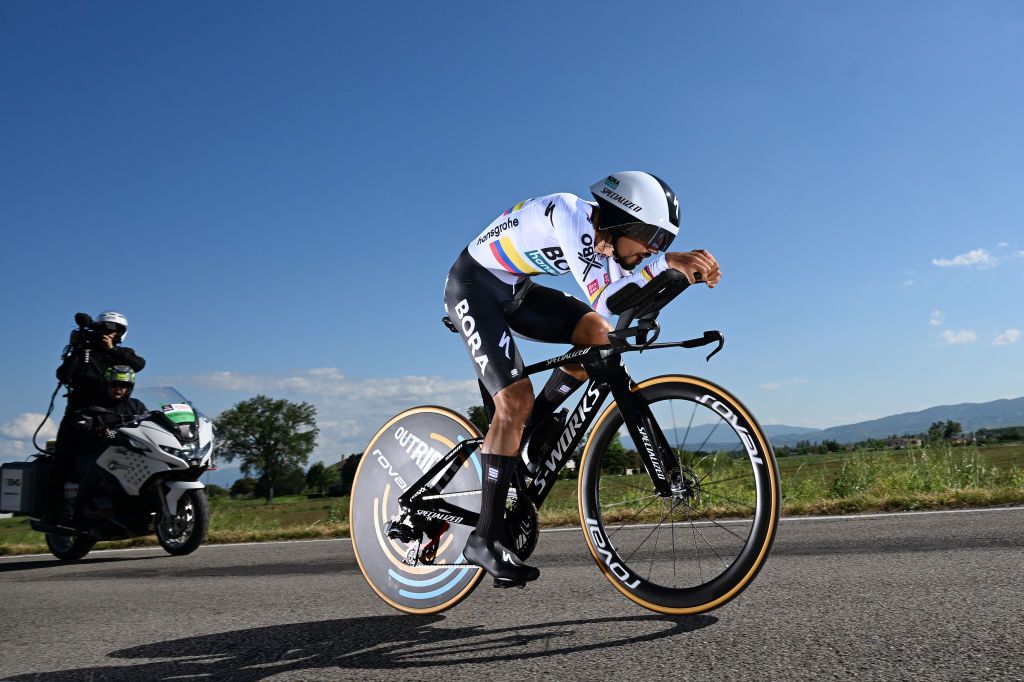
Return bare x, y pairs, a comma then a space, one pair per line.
243, 487
615, 456
289, 479
478, 415
271, 437
348, 471
951, 429
935, 432
320, 477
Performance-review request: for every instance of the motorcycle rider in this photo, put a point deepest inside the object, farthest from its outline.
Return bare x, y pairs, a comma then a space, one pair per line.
94, 427
490, 294
84, 368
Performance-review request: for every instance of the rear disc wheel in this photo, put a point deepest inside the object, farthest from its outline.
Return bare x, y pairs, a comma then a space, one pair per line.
399, 454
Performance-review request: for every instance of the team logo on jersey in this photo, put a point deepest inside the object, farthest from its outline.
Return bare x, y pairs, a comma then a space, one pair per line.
542, 264
498, 229
593, 287
588, 256
550, 213
607, 279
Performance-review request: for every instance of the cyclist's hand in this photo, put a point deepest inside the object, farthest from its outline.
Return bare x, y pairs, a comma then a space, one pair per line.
700, 261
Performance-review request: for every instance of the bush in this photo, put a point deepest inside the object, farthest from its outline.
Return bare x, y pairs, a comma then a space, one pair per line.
244, 488
214, 491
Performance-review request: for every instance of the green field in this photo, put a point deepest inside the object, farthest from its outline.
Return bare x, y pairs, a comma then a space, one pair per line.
849, 482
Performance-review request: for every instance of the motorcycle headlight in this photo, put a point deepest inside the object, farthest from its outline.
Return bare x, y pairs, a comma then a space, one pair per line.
172, 451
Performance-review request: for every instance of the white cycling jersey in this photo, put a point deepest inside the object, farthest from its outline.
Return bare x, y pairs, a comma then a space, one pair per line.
554, 235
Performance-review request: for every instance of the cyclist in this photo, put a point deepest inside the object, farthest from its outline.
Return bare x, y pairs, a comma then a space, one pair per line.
490, 294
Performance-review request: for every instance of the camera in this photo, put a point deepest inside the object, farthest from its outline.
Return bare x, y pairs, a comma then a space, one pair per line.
86, 336
89, 333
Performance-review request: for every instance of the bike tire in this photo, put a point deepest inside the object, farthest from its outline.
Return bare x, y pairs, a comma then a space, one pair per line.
396, 457
717, 536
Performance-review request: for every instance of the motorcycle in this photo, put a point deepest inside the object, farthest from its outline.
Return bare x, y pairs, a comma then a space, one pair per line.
149, 483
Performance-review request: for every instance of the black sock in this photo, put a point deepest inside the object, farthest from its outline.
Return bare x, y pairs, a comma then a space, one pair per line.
559, 386
497, 475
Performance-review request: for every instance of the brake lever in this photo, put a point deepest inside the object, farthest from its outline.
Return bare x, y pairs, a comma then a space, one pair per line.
656, 328
711, 336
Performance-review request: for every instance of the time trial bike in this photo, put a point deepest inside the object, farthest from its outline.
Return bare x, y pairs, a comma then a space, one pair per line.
680, 526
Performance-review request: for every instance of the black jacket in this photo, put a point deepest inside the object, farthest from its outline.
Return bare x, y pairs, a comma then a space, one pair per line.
85, 379
91, 423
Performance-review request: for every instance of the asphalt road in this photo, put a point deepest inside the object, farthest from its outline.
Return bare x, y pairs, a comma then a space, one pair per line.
932, 596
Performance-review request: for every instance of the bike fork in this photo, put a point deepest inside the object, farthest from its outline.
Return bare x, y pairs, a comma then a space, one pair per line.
657, 456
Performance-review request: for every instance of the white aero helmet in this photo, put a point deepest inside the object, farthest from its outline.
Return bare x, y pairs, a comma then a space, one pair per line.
112, 320
639, 205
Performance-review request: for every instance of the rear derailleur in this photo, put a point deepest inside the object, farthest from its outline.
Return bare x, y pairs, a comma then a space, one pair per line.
408, 529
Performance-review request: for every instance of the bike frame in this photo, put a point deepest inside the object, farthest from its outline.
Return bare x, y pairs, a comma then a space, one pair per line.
426, 497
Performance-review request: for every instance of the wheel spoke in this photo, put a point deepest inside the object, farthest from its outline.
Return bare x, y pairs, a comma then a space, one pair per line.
619, 504
648, 537
701, 515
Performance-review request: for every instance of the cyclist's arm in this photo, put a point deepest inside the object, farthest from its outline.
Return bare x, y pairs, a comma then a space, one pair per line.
639, 276
592, 271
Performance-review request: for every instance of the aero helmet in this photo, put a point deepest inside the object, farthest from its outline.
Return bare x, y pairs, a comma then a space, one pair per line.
639, 205
113, 320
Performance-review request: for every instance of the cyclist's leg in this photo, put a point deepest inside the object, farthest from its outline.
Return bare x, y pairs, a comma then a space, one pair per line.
474, 300
556, 317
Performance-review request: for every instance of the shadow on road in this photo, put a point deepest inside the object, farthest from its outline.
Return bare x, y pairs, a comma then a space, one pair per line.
393, 643
7, 566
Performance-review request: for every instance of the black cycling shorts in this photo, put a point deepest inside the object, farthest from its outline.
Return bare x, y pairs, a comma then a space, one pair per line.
487, 311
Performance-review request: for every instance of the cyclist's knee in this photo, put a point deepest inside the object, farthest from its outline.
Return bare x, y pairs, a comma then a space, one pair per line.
514, 401
591, 330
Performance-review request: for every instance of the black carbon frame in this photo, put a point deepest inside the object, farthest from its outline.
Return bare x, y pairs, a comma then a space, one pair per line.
425, 498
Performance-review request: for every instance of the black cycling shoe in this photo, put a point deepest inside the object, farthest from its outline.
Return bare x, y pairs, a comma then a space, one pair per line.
499, 562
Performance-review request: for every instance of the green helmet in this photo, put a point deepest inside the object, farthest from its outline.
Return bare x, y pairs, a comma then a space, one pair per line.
119, 374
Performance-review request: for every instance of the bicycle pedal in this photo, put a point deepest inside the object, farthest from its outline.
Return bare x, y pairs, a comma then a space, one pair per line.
503, 584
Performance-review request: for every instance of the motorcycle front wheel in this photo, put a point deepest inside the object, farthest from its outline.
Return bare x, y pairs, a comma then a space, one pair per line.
183, 533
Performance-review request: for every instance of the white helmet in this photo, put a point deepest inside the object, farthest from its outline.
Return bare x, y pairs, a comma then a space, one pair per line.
640, 205
113, 320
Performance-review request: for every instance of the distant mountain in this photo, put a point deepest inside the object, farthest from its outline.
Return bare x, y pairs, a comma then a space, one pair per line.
706, 434
971, 416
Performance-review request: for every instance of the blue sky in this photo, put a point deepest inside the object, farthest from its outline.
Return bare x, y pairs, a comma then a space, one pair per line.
274, 192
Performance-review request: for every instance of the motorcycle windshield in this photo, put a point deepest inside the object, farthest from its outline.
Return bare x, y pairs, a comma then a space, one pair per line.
165, 398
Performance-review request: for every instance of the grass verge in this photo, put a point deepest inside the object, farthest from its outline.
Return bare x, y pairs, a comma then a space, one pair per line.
847, 483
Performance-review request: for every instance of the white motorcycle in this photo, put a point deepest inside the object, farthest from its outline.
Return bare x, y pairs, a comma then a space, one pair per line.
149, 483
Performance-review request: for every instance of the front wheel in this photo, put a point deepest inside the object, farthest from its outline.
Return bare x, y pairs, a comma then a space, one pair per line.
693, 550
183, 533
69, 547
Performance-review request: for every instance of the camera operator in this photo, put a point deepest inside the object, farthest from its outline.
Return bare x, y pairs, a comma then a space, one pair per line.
94, 347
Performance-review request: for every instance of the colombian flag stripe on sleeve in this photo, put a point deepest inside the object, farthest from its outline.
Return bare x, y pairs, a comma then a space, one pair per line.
503, 259
647, 273
517, 260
